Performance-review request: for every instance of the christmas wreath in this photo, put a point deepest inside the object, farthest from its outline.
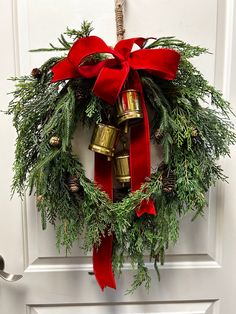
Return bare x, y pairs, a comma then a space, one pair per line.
140, 213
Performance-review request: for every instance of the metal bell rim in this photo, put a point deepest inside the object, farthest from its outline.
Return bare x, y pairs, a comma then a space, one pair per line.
102, 150
124, 179
121, 156
108, 126
129, 115
129, 90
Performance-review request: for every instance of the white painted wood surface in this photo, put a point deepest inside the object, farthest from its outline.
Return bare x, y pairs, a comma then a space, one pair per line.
199, 275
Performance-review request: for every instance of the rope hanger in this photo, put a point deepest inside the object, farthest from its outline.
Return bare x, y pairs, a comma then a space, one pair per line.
119, 15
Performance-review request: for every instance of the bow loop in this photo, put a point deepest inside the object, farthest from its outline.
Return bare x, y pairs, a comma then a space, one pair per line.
110, 81
124, 47
89, 46
160, 62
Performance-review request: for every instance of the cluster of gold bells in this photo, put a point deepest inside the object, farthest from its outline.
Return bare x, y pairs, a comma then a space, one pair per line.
105, 138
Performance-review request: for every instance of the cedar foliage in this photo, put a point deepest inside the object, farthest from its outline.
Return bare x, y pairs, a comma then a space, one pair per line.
194, 137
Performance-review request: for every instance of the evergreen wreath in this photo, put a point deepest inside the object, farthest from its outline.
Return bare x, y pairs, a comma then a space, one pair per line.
192, 137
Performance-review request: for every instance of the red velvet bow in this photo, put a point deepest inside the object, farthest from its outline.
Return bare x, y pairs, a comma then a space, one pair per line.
111, 75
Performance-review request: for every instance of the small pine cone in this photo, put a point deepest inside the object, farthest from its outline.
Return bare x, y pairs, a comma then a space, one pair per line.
159, 136
73, 184
169, 181
36, 73
79, 94
82, 93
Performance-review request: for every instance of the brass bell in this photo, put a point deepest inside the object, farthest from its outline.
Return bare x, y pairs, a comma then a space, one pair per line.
121, 166
104, 140
129, 107
55, 141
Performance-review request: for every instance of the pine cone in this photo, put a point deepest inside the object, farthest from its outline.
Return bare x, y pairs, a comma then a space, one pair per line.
36, 73
168, 178
73, 184
168, 181
82, 93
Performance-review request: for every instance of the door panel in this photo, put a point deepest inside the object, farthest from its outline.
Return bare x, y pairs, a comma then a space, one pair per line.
198, 275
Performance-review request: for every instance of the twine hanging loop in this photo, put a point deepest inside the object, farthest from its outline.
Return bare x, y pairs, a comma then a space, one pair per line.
119, 12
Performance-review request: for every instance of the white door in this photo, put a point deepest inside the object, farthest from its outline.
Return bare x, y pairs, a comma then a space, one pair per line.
199, 275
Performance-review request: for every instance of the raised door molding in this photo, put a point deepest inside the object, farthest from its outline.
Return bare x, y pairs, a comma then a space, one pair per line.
194, 307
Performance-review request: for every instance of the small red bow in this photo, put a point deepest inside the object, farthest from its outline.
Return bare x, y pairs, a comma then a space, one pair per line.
111, 75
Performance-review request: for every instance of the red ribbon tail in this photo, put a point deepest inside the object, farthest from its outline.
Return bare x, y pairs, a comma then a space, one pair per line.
140, 164
146, 207
102, 263
140, 160
103, 174
102, 256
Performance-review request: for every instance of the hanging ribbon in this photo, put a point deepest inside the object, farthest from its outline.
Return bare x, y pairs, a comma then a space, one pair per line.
111, 75
102, 255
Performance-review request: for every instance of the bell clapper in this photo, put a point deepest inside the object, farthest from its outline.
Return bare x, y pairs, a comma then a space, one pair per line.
124, 143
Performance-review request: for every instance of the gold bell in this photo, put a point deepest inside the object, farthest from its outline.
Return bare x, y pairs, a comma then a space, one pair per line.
55, 141
122, 168
129, 107
104, 139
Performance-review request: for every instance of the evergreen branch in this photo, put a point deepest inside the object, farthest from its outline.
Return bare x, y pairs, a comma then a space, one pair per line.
53, 48
85, 30
186, 50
